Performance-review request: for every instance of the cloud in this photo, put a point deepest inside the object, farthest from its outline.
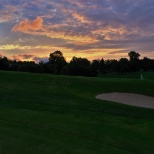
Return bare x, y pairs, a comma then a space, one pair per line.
22, 56
1, 55
28, 57
39, 59
28, 25
80, 17
5, 16
12, 46
16, 47
85, 22
118, 52
65, 31
80, 26
10, 13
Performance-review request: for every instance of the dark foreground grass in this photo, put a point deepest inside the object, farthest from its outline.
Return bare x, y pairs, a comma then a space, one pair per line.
46, 114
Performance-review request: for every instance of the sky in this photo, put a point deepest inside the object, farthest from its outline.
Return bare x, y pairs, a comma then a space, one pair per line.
92, 29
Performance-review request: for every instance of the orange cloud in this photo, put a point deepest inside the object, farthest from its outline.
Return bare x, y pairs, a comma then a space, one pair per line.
70, 37
22, 57
59, 32
79, 17
115, 33
29, 57
27, 25
1, 55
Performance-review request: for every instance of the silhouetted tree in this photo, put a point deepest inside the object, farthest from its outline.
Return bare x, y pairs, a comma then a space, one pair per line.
102, 66
50, 68
4, 63
41, 67
134, 61
145, 64
27, 66
152, 64
114, 65
14, 65
133, 55
95, 67
124, 65
56, 58
65, 70
108, 66
80, 66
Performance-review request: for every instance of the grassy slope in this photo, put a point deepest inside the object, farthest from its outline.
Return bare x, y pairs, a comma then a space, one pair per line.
59, 114
146, 75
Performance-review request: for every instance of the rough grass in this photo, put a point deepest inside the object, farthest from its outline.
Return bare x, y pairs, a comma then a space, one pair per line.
59, 114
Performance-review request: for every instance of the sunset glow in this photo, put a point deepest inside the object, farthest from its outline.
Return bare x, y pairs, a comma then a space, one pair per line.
93, 29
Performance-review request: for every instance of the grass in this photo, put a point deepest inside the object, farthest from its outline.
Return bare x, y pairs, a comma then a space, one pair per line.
137, 75
59, 114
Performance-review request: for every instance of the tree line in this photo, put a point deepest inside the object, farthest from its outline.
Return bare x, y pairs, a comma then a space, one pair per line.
80, 66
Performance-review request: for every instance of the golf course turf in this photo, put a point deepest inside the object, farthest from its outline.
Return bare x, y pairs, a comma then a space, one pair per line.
44, 114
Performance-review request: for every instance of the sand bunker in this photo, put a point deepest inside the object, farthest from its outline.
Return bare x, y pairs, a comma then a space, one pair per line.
129, 99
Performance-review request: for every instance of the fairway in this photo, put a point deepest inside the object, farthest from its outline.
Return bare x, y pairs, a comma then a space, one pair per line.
44, 114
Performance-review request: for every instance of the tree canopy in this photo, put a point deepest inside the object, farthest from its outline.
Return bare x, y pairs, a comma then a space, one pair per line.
80, 66
57, 59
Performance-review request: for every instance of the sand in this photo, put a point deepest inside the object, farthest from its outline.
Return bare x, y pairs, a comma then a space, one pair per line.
129, 99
